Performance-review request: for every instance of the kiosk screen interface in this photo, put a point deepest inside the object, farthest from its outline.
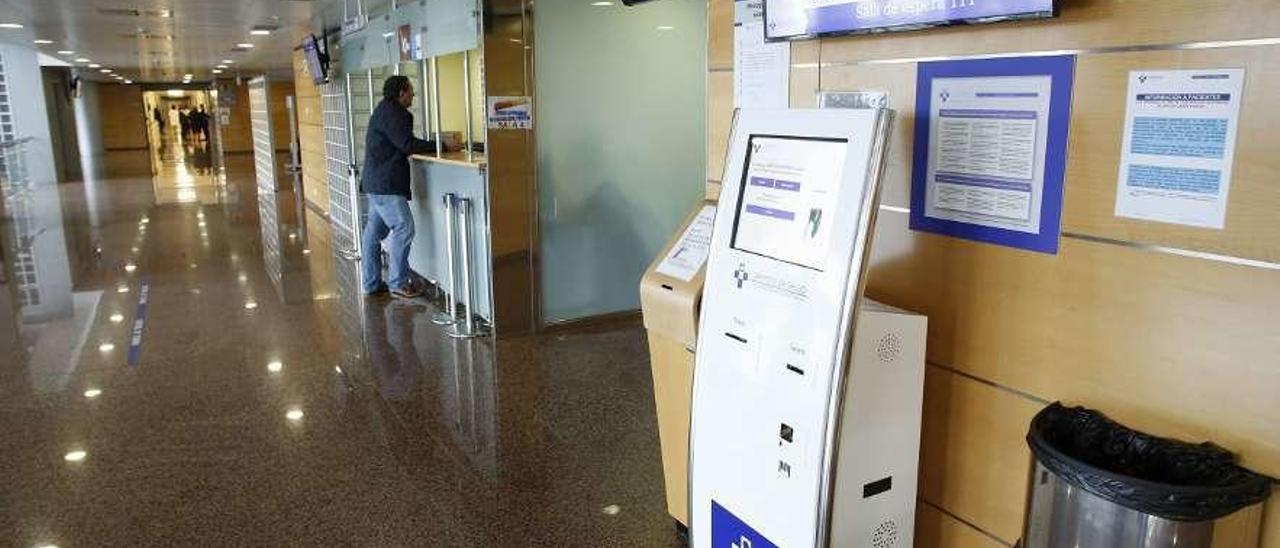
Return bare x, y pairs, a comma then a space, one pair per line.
788, 197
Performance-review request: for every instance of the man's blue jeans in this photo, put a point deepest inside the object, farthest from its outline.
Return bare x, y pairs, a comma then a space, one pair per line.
388, 215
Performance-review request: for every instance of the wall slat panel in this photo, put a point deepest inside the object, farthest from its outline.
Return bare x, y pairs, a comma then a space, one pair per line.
973, 460
935, 529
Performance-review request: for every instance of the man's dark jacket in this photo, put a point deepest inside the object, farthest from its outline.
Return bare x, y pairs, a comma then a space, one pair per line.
387, 146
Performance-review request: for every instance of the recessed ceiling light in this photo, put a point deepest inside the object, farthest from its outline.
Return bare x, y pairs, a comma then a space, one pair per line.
388, 34
128, 82
221, 66
260, 32
75, 456
217, 71
92, 393
105, 71
94, 65
250, 305
117, 318
106, 347
186, 76
42, 42
82, 60
665, 27
10, 26
294, 415
244, 45
275, 366
66, 52
602, 3
227, 61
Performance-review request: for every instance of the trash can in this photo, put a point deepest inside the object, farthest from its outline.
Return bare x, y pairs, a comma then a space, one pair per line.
1098, 484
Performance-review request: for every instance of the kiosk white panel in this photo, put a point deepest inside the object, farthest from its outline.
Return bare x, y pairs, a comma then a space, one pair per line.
783, 280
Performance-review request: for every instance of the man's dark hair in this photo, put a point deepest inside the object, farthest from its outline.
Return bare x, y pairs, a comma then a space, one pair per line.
394, 85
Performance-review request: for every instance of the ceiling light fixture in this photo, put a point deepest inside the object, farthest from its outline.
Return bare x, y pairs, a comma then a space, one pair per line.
221, 66
105, 71
94, 65
602, 3
665, 27
260, 32
66, 52
217, 71
10, 26
82, 60
227, 61
42, 42
127, 82
244, 45
75, 456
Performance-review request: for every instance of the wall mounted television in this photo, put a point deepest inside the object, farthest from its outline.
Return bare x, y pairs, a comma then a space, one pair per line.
802, 19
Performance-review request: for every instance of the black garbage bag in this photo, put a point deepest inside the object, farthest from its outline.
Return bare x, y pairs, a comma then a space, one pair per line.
1162, 477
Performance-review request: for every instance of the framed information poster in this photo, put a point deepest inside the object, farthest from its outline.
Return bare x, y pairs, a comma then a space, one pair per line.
991, 149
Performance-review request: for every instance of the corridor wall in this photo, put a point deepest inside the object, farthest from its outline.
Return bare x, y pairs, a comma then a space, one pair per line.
1167, 328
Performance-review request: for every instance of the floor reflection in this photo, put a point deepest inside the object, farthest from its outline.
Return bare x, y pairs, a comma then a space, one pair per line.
272, 404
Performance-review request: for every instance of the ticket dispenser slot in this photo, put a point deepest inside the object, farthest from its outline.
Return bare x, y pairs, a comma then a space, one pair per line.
783, 284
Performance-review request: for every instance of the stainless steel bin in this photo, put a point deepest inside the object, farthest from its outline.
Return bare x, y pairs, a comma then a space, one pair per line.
1097, 484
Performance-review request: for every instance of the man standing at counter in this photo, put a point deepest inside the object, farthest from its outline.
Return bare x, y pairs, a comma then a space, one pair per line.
385, 182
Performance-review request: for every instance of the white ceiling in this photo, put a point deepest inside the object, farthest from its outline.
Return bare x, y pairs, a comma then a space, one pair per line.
160, 40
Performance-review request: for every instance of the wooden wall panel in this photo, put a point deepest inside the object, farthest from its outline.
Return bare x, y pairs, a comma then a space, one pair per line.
973, 460
1175, 345
237, 136
719, 43
1156, 340
123, 117
719, 120
935, 529
1097, 127
315, 179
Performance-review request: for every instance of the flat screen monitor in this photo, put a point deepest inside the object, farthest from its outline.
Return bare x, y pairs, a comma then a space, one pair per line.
317, 61
796, 19
787, 203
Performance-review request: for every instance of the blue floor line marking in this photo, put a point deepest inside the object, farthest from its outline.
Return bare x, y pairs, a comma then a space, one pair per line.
139, 322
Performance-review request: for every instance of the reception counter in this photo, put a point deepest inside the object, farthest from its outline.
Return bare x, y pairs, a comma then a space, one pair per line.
433, 177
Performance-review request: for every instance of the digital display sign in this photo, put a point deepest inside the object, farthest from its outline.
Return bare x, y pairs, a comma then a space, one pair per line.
795, 19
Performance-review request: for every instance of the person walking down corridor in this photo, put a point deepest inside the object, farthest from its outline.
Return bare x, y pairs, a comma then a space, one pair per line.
385, 181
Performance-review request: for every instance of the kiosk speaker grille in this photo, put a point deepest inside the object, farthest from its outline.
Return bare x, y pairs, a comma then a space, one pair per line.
885, 535
889, 348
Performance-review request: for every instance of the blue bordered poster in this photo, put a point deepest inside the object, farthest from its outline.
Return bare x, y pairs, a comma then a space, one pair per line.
991, 149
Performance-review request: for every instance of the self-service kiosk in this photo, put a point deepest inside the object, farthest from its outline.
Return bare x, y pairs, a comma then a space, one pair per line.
799, 439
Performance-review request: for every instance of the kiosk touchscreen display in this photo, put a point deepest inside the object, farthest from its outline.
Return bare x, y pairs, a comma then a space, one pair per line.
789, 190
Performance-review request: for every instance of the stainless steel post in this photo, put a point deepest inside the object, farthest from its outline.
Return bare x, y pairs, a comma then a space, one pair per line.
450, 315
466, 93
435, 106
353, 176
424, 85
466, 329
295, 156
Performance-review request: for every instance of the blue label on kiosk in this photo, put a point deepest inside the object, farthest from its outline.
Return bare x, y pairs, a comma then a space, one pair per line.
727, 531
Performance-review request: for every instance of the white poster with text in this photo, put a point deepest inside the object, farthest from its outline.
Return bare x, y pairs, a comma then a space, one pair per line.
1179, 142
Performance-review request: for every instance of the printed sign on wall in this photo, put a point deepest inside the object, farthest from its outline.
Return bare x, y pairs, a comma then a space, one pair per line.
514, 112
1179, 142
990, 149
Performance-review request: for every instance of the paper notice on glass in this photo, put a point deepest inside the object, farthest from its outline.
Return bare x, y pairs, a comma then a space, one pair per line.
689, 254
761, 71
1179, 142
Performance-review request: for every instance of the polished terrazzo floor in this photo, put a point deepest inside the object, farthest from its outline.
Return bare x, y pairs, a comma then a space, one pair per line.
267, 404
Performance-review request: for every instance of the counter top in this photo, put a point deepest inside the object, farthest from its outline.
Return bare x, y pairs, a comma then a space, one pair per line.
455, 158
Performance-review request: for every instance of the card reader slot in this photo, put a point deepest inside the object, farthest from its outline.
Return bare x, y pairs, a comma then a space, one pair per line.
738, 338
876, 487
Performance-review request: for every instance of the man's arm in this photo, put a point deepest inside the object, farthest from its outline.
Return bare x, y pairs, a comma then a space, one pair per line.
400, 132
